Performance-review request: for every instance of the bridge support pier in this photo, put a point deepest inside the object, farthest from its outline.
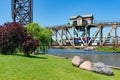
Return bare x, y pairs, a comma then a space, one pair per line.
61, 35
116, 37
101, 35
87, 35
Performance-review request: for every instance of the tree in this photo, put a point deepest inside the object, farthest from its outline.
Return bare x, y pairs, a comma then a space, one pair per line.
40, 33
14, 36
30, 44
11, 37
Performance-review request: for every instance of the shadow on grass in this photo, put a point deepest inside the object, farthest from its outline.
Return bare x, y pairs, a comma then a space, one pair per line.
32, 56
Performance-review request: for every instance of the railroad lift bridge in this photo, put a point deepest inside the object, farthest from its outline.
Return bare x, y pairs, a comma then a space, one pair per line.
77, 33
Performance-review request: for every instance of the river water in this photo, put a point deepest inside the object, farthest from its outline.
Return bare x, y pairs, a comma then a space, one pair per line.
108, 58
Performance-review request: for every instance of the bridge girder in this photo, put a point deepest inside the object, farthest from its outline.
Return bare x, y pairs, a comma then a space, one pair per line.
22, 11
72, 34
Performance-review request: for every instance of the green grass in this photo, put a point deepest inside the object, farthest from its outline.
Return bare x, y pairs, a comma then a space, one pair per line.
108, 49
45, 67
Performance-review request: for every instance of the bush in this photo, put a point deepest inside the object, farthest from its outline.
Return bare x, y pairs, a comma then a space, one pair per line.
30, 44
12, 35
42, 34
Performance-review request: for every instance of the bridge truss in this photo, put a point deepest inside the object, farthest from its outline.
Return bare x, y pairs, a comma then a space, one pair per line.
22, 11
66, 35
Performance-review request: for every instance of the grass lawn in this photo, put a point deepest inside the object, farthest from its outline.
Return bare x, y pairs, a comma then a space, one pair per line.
45, 67
108, 49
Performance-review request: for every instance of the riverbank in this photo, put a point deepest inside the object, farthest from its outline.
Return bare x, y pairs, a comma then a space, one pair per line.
45, 67
108, 49
104, 49
108, 58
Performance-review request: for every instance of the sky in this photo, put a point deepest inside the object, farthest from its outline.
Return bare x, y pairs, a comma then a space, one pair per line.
58, 12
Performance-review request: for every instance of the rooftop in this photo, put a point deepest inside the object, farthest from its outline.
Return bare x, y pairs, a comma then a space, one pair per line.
88, 15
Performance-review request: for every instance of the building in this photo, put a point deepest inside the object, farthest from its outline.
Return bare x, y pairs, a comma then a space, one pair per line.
81, 20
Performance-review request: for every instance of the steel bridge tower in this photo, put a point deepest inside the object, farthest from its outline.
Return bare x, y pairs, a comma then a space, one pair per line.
22, 11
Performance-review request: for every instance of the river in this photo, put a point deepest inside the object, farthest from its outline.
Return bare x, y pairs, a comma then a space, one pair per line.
108, 58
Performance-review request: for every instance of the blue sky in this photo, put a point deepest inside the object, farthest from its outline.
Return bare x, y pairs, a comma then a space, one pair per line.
56, 12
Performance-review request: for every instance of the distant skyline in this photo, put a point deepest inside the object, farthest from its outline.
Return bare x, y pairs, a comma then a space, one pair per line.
56, 12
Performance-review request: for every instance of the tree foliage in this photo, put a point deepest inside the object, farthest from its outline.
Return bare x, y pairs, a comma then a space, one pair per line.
43, 34
11, 36
30, 44
14, 36
40, 33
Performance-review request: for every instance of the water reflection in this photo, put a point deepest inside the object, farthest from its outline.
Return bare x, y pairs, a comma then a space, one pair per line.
108, 58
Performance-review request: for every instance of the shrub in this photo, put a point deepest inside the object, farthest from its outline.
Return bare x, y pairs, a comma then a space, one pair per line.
42, 34
30, 44
12, 36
